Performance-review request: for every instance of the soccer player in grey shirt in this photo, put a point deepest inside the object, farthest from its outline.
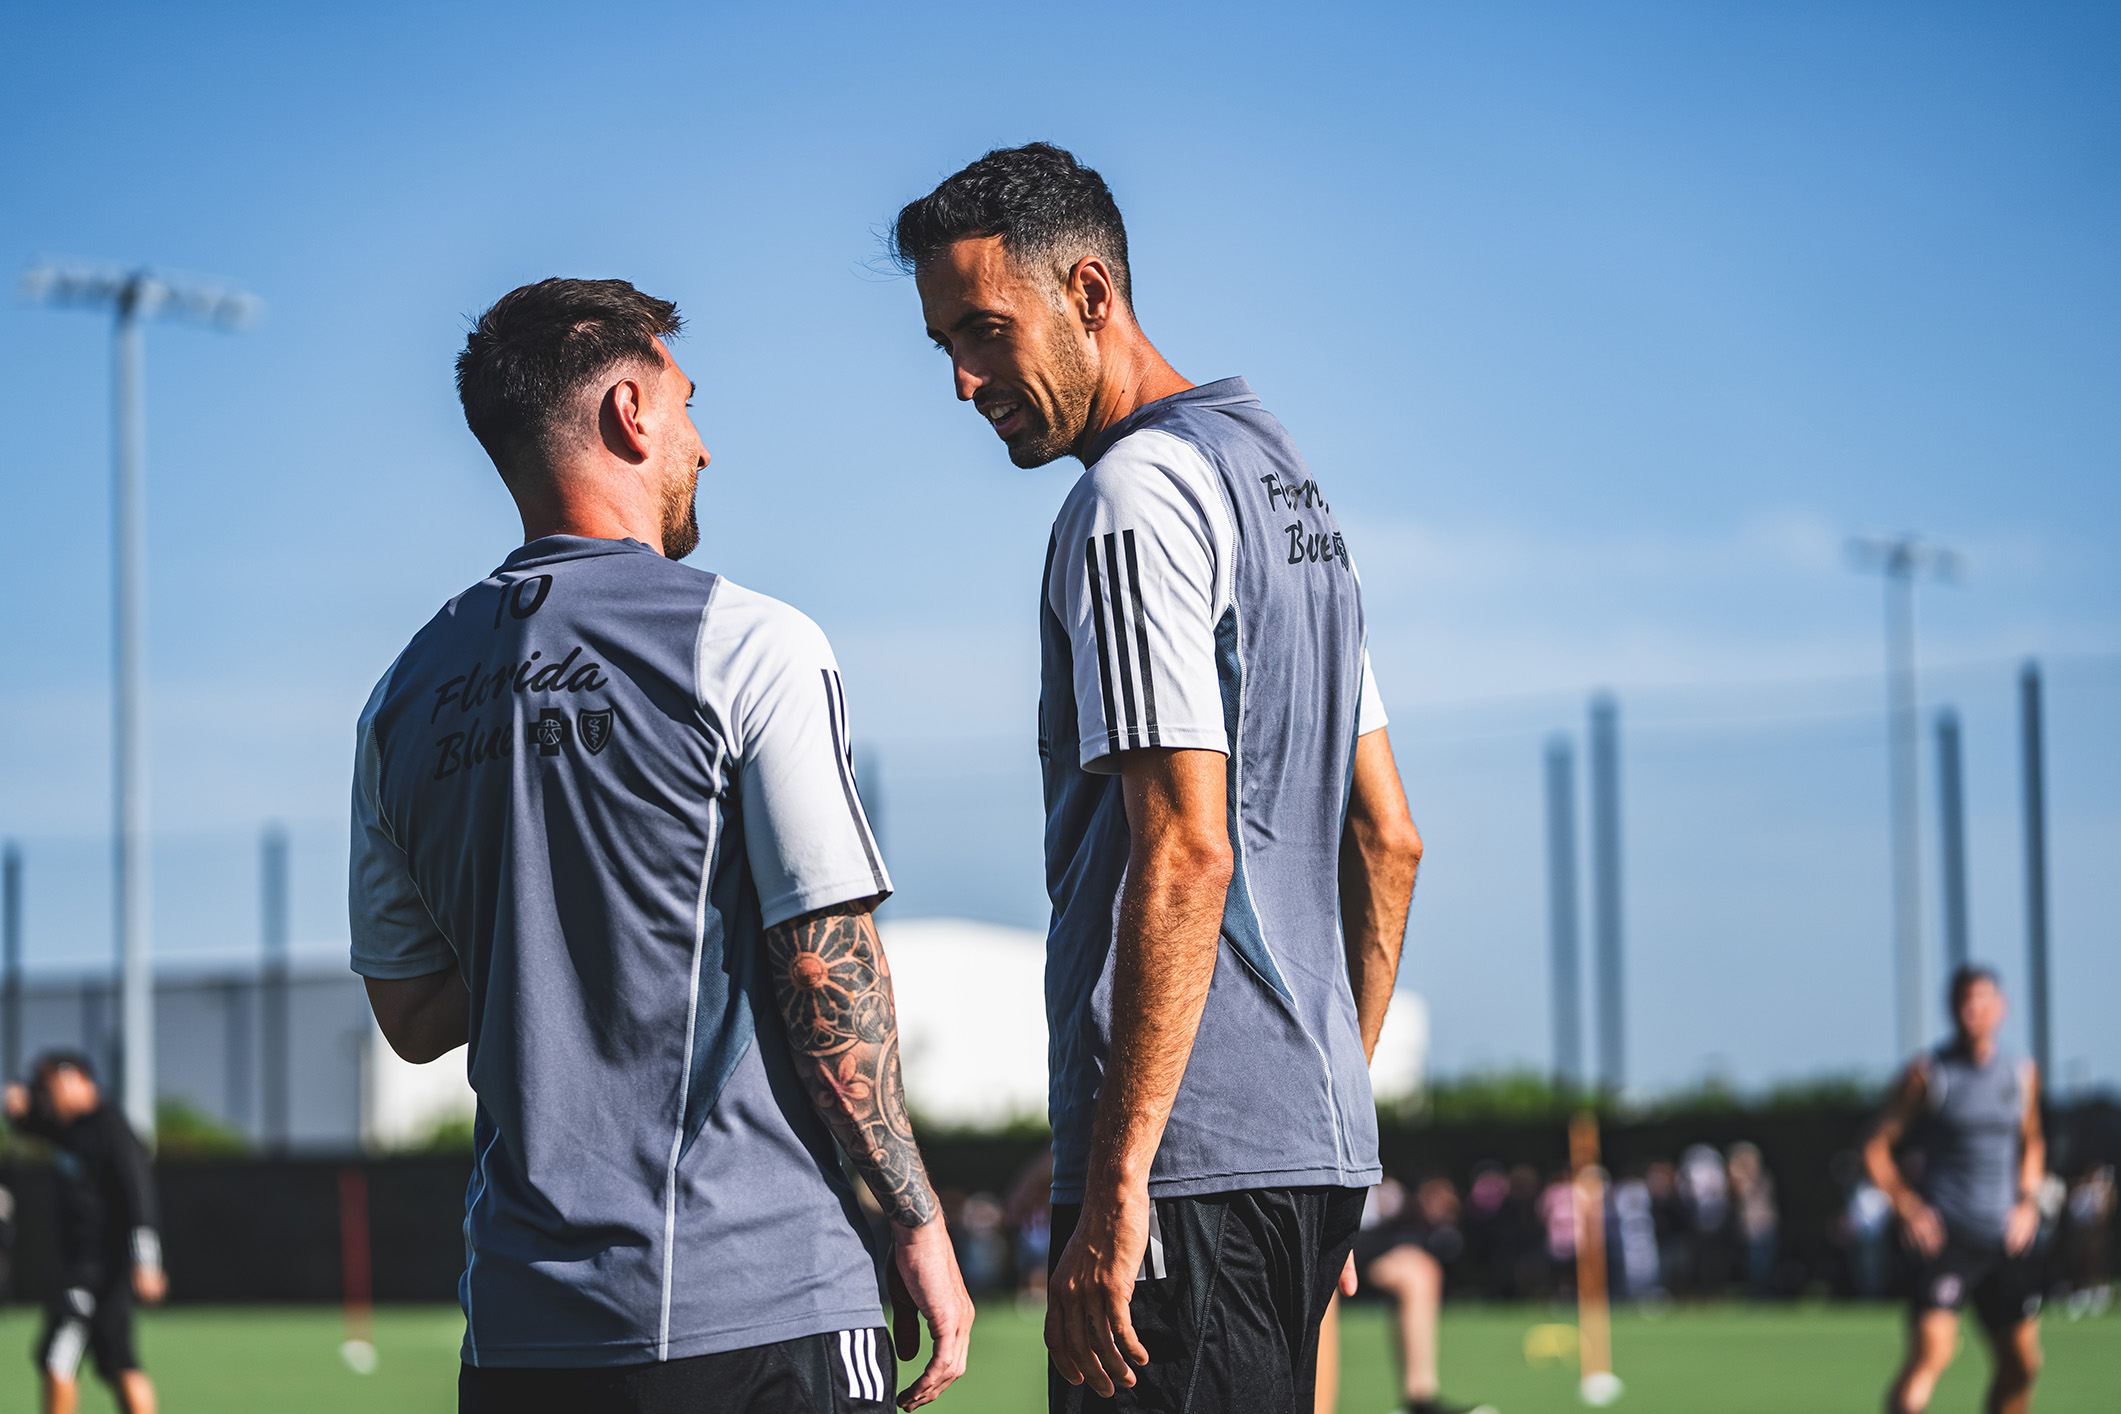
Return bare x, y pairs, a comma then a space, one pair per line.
605, 829
1228, 849
1974, 1108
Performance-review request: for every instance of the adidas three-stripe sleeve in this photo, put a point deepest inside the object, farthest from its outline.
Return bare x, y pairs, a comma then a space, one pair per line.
1141, 579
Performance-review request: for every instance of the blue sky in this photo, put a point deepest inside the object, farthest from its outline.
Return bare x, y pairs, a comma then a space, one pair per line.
1604, 325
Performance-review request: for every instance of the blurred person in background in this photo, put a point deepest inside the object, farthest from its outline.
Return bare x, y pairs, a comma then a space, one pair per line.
1557, 1217
1403, 1253
1523, 1237
1758, 1220
1705, 1193
606, 830
7, 1244
1485, 1197
1675, 1254
1030, 1218
110, 1244
1635, 1224
2089, 1219
1973, 1216
1228, 900
1865, 1230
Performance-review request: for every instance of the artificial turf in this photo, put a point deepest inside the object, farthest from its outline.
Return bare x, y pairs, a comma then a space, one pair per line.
1718, 1360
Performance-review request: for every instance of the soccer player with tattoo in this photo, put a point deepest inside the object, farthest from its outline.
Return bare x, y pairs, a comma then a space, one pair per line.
605, 829
1228, 848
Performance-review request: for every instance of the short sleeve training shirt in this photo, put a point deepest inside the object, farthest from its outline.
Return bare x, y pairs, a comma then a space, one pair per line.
1199, 595
590, 784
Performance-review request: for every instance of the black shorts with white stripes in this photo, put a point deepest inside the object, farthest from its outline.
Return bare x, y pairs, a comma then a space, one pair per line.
92, 1320
839, 1372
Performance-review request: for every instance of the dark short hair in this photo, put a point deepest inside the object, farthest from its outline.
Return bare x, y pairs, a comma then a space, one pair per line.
1964, 976
537, 348
1045, 205
62, 1058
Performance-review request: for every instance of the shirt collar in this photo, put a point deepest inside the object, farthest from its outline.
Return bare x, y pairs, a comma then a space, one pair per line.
1222, 392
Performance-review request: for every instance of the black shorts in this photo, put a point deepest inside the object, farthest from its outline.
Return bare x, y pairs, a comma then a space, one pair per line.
2004, 1290
839, 1372
96, 1321
1228, 1306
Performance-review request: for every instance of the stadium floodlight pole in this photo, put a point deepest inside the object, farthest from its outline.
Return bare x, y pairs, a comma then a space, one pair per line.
2035, 768
134, 296
11, 963
1951, 811
1606, 913
1563, 938
1900, 560
273, 1014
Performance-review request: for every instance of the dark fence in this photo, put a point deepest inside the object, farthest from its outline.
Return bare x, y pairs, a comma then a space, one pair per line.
269, 1229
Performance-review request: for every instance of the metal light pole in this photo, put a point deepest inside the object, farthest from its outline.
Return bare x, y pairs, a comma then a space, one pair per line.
134, 296
2035, 769
1951, 819
1605, 892
1565, 947
11, 964
1900, 561
273, 1018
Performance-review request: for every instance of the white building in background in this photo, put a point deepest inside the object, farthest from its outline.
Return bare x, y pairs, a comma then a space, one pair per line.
972, 1024
972, 1041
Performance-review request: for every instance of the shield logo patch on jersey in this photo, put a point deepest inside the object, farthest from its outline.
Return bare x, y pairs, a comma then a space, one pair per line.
595, 729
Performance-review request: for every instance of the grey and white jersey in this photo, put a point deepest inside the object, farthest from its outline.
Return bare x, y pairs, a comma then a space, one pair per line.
1199, 594
1972, 1138
590, 784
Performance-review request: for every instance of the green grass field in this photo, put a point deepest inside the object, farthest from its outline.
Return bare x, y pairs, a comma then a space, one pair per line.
1730, 1360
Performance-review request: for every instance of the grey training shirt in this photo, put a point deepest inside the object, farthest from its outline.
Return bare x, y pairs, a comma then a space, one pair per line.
1198, 594
1973, 1137
590, 784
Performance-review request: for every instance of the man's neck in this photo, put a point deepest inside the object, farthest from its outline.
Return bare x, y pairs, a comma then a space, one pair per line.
1982, 1049
1137, 378
590, 518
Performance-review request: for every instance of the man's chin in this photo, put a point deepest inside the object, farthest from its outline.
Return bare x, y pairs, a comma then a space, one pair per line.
1036, 451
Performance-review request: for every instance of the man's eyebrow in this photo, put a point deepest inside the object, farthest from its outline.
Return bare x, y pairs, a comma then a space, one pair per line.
973, 314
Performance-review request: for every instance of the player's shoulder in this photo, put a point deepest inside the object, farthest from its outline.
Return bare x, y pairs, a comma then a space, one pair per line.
742, 628
1150, 474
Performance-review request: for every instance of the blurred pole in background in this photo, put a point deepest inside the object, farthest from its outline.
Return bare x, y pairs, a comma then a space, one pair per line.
134, 296
1899, 561
2035, 861
1564, 938
11, 963
272, 1012
131, 875
1952, 819
1605, 883
869, 787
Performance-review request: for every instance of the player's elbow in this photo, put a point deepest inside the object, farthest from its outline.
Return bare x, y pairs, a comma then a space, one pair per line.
1400, 844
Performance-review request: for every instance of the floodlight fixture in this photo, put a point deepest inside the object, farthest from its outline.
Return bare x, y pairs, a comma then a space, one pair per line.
1901, 559
133, 295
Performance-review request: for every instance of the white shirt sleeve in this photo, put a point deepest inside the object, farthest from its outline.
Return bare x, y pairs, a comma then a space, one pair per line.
394, 936
1141, 577
1370, 709
771, 674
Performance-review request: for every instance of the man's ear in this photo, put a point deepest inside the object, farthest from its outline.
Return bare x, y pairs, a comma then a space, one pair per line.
619, 420
1093, 292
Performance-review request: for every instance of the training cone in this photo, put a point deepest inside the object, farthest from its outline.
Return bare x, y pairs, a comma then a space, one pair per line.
359, 1355
1599, 1389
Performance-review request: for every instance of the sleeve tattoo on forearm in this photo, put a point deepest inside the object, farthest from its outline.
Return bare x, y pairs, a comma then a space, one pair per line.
834, 988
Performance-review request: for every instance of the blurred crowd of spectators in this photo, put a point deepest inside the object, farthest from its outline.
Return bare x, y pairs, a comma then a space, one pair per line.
1703, 1225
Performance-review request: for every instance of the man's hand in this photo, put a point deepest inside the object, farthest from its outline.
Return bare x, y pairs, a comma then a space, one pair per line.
17, 1101
1923, 1228
925, 1281
150, 1284
1348, 1282
2021, 1227
1089, 1328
